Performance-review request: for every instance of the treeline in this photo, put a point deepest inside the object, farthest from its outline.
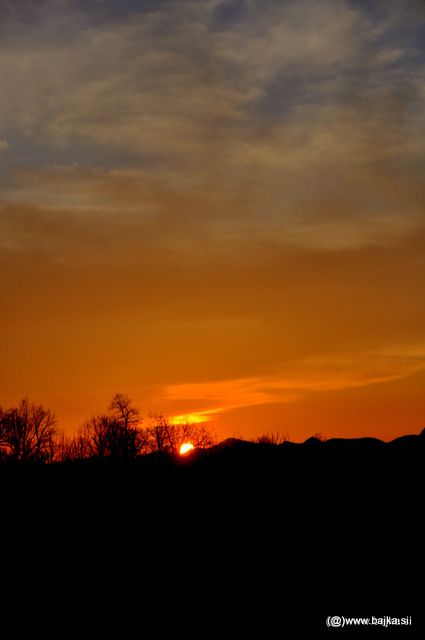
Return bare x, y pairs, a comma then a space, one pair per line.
29, 434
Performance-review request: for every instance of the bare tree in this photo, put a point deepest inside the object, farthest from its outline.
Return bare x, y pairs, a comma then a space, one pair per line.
27, 433
94, 436
272, 438
122, 410
70, 448
115, 435
163, 435
198, 434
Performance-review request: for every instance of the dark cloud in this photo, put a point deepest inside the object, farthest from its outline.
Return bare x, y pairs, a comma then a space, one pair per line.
228, 12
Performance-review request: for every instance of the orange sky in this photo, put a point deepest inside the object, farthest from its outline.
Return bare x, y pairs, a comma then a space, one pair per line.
218, 210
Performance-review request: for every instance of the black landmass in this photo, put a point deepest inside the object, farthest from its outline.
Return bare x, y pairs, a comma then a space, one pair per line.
242, 539
237, 450
254, 461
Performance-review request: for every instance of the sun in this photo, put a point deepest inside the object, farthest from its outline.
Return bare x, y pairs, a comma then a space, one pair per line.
185, 448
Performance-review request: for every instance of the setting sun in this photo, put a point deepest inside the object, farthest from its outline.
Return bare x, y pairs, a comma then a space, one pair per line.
185, 448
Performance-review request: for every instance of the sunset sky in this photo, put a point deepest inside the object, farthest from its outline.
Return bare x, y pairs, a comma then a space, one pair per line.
218, 208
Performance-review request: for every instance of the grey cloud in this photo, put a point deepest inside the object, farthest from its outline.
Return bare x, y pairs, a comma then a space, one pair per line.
263, 113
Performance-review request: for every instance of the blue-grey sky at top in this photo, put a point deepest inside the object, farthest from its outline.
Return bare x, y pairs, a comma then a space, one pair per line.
218, 58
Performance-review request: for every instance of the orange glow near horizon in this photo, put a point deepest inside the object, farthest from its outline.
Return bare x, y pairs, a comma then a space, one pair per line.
186, 448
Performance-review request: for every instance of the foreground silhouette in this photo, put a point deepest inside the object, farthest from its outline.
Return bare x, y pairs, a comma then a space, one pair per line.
296, 532
316, 517
29, 434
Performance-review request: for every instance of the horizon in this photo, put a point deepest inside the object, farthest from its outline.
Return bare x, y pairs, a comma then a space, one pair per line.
217, 208
149, 419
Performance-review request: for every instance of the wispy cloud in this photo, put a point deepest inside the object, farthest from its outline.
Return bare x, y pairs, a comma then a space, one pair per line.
301, 378
306, 106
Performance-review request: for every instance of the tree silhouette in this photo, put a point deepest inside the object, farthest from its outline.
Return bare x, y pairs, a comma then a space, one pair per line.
27, 433
160, 436
272, 438
70, 448
198, 434
116, 435
124, 412
165, 436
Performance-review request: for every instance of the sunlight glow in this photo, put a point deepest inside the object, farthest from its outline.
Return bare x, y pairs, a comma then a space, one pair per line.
199, 417
186, 448
190, 418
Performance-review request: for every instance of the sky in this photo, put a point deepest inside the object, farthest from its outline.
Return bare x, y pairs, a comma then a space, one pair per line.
218, 208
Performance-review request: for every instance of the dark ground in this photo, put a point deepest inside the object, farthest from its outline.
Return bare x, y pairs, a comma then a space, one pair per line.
242, 539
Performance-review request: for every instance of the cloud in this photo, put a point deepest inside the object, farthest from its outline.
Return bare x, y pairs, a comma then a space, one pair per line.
301, 121
301, 378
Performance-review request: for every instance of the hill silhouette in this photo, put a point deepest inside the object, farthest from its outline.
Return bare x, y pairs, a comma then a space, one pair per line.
238, 454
